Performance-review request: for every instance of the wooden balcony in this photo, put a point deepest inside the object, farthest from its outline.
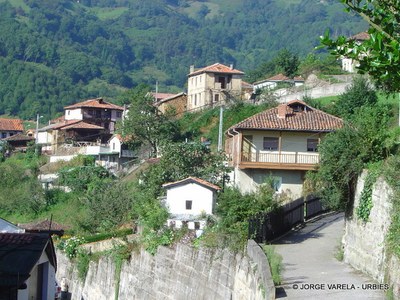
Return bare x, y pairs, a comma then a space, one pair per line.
279, 160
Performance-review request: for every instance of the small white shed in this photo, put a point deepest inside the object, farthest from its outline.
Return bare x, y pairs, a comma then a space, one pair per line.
189, 200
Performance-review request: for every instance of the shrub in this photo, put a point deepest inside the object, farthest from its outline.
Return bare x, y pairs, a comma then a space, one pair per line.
275, 263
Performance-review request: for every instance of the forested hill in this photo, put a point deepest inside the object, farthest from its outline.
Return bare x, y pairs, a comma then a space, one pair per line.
56, 52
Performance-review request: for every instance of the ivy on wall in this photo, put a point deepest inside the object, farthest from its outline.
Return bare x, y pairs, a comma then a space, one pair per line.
364, 208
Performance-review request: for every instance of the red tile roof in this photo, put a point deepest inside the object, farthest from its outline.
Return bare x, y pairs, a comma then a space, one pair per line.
246, 85
217, 68
95, 103
19, 137
161, 96
44, 225
284, 117
362, 36
192, 180
82, 125
11, 125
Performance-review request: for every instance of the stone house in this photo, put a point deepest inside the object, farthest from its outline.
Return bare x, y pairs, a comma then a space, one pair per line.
10, 127
279, 143
175, 102
189, 201
213, 85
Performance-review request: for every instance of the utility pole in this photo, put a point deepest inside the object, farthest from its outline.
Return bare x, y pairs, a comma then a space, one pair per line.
221, 117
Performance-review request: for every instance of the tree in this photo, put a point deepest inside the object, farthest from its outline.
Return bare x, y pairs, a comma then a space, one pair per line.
379, 56
145, 124
359, 93
287, 63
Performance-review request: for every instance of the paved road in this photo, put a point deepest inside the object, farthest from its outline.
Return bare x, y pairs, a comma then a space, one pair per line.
308, 258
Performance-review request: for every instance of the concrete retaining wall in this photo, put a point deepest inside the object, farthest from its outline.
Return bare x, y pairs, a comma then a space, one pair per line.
176, 273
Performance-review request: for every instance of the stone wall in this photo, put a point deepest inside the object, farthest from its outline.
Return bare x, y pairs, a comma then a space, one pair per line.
176, 273
364, 242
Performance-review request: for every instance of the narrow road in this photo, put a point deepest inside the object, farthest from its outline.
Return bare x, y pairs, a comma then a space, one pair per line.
311, 270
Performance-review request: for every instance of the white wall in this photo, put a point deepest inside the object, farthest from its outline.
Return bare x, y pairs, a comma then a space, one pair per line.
202, 199
44, 137
49, 279
73, 114
115, 144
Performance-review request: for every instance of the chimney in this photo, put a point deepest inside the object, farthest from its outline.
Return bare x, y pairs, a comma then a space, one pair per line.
231, 66
282, 111
191, 70
100, 100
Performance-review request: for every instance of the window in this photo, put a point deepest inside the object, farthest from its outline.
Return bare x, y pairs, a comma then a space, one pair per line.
119, 114
195, 100
216, 98
3, 135
113, 146
68, 112
312, 145
189, 204
271, 143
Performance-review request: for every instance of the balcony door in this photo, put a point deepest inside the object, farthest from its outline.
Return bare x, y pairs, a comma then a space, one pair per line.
246, 148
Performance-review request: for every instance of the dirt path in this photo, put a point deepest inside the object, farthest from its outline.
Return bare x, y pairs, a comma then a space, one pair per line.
311, 270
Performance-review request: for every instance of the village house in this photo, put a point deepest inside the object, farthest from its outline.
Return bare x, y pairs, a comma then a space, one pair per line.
27, 264
84, 123
10, 127
189, 201
274, 81
349, 64
279, 143
213, 85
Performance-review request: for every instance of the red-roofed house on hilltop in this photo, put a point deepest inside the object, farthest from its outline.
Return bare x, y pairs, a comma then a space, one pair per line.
213, 85
281, 143
10, 127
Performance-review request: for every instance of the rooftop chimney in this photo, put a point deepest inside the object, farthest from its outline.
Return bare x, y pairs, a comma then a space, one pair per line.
100, 100
231, 66
282, 111
191, 69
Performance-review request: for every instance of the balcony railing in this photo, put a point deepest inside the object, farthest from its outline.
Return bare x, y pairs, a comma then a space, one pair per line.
290, 160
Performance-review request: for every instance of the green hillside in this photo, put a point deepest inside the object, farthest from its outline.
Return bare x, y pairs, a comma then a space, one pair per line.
56, 52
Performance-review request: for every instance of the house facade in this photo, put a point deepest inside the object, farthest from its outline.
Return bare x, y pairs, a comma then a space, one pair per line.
189, 201
10, 127
213, 85
280, 144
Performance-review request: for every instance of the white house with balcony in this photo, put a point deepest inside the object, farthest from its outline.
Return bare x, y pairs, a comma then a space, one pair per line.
281, 143
189, 201
213, 85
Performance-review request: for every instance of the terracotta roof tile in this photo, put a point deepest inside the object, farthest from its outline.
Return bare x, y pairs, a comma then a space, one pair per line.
95, 103
44, 225
217, 68
82, 125
191, 180
11, 125
19, 137
284, 117
161, 96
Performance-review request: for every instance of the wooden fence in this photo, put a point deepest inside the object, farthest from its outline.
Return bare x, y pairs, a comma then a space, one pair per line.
266, 227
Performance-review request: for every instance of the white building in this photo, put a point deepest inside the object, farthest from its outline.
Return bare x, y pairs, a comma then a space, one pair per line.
189, 201
272, 82
349, 64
